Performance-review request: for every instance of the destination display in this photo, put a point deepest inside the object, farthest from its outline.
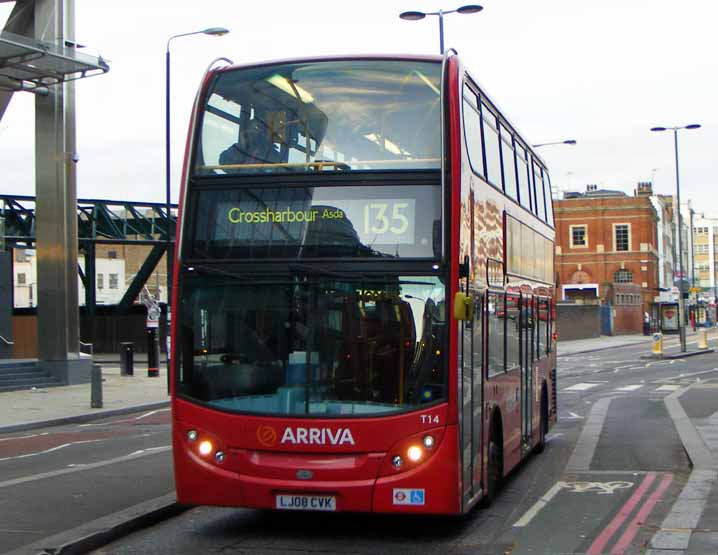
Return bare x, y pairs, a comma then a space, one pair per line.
321, 221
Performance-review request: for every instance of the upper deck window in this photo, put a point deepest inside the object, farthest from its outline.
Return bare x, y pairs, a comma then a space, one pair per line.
523, 175
508, 164
322, 116
491, 146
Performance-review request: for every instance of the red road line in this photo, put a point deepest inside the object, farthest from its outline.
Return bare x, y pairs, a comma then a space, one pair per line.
600, 542
640, 518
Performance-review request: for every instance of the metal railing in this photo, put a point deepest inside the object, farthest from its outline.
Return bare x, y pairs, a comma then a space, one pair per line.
6, 341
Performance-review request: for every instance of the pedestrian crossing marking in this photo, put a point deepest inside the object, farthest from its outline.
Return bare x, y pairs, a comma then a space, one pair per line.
630, 387
584, 386
581, 386
668, 388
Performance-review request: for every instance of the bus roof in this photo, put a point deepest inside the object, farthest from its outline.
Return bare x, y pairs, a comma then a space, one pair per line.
334, 58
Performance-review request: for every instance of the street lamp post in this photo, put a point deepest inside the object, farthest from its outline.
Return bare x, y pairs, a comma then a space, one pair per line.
681, 302
464, 10
554, 191
169, 251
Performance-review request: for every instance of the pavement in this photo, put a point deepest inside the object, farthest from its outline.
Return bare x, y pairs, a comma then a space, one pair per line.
577, 346
38, 408
605, 342
691, 528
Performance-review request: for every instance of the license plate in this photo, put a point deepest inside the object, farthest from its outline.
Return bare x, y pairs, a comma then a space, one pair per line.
307, 502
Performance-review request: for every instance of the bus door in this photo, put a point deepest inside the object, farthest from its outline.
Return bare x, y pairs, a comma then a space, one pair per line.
527, 323
471, 395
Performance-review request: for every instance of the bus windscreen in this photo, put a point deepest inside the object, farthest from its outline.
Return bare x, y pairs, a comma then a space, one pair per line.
310, 345
322, 116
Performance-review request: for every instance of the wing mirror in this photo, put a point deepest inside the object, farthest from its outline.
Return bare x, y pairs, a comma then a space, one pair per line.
463, 307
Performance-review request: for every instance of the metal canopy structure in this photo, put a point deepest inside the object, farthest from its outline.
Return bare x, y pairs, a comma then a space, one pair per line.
99, 222
30, 64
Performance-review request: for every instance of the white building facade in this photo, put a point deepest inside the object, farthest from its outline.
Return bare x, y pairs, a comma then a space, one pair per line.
109, 286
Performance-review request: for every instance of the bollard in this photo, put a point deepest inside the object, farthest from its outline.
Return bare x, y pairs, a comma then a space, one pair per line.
702, 338
658, 344
153, 353
127, 359
96, 387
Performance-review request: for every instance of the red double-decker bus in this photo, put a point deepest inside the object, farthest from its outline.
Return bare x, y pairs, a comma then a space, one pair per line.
363, 298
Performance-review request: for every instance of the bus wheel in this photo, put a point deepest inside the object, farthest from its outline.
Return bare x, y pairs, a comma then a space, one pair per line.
494, 471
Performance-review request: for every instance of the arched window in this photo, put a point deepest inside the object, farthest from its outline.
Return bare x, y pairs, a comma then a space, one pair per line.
623, 276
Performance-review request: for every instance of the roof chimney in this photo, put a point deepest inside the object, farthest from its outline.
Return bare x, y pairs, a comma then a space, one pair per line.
590, 188
645, 189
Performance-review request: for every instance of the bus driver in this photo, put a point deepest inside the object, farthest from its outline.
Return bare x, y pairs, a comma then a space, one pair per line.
252, 147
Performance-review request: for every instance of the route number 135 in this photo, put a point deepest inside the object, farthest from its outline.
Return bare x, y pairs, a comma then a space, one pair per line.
383, 217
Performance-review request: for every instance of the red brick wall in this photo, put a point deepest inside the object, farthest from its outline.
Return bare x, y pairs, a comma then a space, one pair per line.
599, 215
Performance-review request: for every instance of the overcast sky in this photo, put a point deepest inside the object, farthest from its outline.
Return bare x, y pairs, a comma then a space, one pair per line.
602, 73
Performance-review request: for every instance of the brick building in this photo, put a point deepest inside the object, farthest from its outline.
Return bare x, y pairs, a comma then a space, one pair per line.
705, 251
607, 252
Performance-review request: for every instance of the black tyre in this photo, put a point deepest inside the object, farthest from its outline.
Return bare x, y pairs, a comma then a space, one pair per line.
543, 425
494, 472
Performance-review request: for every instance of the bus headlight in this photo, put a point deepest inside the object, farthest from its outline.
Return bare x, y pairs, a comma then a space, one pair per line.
205, 448
414, 453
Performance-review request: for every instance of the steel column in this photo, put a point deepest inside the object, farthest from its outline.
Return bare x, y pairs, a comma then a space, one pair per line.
55, 183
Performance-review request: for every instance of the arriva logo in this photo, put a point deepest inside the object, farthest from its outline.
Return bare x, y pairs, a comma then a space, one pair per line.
267, 436
318, 436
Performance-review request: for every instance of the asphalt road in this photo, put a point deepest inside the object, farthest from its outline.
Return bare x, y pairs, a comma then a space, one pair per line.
598, 488
58, 478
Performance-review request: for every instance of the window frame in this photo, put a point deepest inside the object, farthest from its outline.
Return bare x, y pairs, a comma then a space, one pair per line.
571, 229
486, 119
527, 177
468, 94
623, 271
615, 238
507, 143
539, 192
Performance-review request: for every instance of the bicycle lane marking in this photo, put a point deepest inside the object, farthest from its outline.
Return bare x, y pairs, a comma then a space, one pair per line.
623, 542
572, 509
600, 488
608, 532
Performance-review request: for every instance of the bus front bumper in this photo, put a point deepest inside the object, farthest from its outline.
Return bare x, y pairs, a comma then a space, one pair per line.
429, 488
